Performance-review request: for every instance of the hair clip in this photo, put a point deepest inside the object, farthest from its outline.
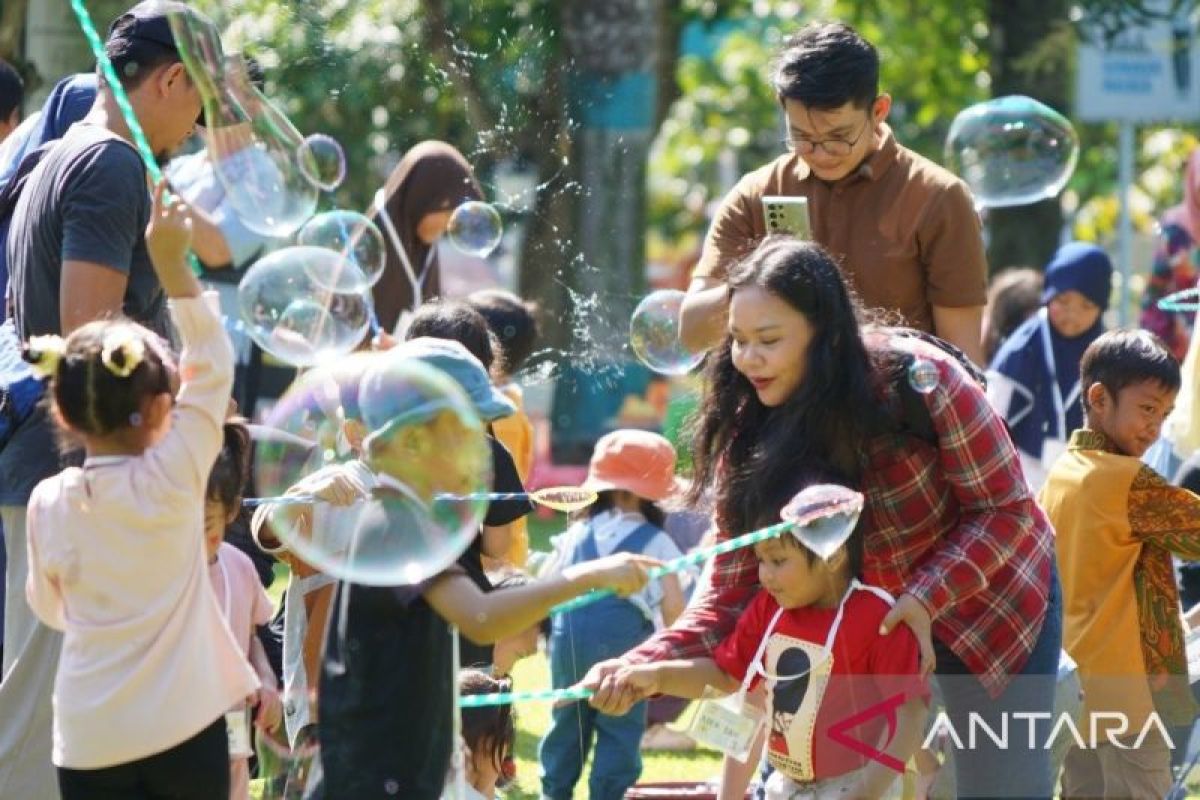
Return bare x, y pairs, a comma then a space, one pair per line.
43, 353
130, 347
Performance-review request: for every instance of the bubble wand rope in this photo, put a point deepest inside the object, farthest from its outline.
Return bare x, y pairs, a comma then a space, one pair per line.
675, 565
683, 562
114, 83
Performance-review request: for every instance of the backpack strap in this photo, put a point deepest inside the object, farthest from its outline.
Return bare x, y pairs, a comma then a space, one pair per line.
637, 539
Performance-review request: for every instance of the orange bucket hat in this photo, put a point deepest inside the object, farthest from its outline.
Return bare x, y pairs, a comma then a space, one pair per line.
637, 461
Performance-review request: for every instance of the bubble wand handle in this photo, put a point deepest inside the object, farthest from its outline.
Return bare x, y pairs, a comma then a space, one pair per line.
507, 698
286, 500
683, 562
114, 83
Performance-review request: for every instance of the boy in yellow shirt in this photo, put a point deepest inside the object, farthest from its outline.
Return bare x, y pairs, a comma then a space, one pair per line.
1118, 523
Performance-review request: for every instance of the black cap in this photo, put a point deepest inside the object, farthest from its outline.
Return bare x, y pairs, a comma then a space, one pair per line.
149, 21
145, 31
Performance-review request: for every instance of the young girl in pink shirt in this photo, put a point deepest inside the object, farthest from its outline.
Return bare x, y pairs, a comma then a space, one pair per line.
116, 547
243, 601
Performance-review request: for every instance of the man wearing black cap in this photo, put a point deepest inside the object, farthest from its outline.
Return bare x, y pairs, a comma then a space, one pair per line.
77, 252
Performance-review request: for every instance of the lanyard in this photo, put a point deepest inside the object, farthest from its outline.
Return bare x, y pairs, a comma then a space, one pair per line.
1060, 405
756, 667
415, 281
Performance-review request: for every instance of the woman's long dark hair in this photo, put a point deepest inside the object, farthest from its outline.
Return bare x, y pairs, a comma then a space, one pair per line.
754, 457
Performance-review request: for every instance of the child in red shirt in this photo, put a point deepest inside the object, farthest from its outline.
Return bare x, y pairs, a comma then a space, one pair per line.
846, 706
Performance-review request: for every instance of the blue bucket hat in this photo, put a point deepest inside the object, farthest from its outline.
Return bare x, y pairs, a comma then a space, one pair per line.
385, 402
1082, 267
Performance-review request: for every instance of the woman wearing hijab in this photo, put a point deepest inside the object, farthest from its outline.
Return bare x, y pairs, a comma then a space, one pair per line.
1176, 264
1033, 382
413, 209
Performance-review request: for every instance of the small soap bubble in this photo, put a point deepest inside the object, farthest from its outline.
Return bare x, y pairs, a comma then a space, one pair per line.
322, 161
475, 228
654, 334
1012, 151
923, 375
354, 237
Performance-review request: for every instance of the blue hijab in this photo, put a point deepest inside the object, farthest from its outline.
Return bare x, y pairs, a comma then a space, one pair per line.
1038, 359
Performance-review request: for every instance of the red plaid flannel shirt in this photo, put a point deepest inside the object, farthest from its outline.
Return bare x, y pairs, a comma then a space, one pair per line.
954, 525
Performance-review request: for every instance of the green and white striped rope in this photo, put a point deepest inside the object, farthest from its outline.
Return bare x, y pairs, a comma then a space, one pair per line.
507, 698
683, 562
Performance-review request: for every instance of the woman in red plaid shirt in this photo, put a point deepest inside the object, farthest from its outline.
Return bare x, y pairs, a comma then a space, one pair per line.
802, 383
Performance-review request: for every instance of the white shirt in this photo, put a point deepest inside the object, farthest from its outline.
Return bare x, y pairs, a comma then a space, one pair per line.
116, 562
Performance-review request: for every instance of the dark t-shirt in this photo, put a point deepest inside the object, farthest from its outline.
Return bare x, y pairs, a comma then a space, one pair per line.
385, 718
503, 512
87, 201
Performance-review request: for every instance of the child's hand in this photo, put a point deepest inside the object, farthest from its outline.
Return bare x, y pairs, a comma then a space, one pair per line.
270, 708
168, 238
333, 485
623, 573
616, 691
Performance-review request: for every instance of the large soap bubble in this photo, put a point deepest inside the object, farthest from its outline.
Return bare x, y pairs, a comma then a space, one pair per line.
252, 145
1012, 151
400, 431
475, 228
353, 236
322, 161
654, 334
305, 305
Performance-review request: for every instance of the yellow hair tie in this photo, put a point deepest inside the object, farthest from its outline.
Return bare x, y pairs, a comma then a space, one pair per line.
44, 353
129, 345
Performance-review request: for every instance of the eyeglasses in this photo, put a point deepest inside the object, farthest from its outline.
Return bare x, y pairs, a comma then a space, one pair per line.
833, 147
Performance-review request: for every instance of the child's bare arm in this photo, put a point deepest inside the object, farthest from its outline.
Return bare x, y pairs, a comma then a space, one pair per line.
692, 678
486, 617
168, 237
673, 601
875, 777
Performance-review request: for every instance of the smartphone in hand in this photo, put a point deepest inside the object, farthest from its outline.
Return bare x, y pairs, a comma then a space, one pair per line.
787, 215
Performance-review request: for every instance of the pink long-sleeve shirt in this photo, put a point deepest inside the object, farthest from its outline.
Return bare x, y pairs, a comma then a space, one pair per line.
116, 562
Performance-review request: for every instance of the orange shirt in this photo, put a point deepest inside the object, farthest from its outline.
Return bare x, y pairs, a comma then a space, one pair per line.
904, 230
1117, 524
516, 433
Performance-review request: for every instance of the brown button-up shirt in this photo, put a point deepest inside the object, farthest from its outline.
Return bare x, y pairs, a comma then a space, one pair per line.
903, 229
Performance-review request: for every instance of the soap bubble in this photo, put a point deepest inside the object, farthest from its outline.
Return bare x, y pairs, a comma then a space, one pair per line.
251, 144
654, 334
1012, 151
923, 375
402, 432
352, 235
475, 228
322, 161
297, 307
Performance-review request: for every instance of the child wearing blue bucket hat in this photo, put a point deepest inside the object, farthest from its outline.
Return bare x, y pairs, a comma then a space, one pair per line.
385, 686
1033, 381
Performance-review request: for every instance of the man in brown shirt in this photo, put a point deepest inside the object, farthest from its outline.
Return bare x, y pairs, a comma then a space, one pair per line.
904, 230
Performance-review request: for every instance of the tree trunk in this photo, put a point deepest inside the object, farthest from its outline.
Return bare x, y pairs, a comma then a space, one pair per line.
584, 258
1029, 40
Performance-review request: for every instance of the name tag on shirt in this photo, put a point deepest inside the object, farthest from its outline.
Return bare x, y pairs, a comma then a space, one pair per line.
728, 725
237, 728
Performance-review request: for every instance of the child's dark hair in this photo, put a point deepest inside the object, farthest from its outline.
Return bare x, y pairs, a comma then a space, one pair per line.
826, 65
853, 547
106, 370
1124, 357
491, 729
457, 321
231, 470
1013, 295
513, 323
650, 509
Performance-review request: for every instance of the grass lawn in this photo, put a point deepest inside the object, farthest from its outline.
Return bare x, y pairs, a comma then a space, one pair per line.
533, 719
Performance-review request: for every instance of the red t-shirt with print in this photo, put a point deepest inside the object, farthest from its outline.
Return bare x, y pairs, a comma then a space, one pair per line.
827, 715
